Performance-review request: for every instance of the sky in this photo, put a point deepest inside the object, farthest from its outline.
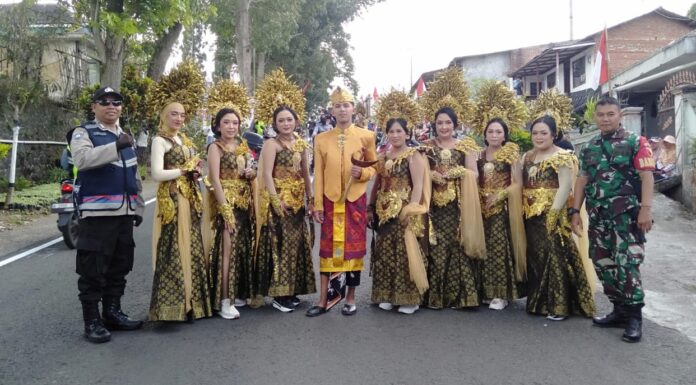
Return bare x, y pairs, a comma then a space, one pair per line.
393, 42
397, 40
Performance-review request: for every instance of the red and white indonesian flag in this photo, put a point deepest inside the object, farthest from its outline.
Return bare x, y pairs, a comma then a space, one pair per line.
600, 73
420, 87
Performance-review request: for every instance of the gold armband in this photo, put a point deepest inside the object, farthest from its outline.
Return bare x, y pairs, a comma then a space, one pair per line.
275, 203
226, 212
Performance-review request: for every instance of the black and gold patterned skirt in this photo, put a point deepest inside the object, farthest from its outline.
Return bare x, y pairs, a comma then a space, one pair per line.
240, 271
556, 280
284, 265
168, 301
451, 273
498, 269
391, 281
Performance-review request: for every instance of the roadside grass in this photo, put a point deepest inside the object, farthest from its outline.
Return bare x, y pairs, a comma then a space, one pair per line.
35, 198
28, 205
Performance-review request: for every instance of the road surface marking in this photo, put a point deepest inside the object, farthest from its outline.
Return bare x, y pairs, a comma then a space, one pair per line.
41, 247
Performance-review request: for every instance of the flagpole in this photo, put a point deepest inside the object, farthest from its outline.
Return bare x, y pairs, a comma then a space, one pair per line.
606, 43
411, 79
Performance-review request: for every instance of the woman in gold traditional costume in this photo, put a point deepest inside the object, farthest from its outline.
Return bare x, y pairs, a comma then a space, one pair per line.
558, 283
180, 287
400, 199
501, 203
284, 256
231, 173
456, 234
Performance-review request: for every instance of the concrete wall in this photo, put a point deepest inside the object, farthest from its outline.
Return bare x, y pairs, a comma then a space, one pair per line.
686, 134
489, 66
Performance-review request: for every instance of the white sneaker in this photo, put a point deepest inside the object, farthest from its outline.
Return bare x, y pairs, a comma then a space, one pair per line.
239, 302
554, 317
385, 306
408, 309
498, 304
228, 311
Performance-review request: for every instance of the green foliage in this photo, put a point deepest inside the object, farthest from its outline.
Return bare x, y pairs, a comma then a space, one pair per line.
134, 87
195, 132
522, 138
21, 183
22, 44
304, 37
692, 11
54, 175
4, 150
83, 103
40, 196
142, 170
590, 107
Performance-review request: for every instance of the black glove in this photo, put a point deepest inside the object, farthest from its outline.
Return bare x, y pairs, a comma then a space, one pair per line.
124, 140
137, 220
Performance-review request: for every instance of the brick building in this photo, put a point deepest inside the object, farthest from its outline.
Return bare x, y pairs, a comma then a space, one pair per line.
568, 66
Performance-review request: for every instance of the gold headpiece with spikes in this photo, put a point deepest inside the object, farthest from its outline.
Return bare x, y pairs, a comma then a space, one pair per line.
228, 94
397, 104
495, 99
339, 95
449, 89
277, 89
556, 105
184, 84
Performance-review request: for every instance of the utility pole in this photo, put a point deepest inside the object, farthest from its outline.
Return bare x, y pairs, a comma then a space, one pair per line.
571, 19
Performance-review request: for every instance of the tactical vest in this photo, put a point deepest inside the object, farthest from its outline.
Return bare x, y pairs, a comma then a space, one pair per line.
109, 187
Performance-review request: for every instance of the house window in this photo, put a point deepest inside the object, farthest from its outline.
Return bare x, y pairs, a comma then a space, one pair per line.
551, 80
535, 88
579, 74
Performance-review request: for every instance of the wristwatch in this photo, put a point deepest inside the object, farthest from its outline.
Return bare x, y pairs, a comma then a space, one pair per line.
572, 211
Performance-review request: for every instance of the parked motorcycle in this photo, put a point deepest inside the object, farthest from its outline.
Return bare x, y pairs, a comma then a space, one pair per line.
68, 217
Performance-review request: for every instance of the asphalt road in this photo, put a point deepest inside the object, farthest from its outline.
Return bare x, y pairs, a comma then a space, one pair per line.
41, 341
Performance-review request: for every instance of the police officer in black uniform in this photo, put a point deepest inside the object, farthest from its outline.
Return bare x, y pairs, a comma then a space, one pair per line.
110, 204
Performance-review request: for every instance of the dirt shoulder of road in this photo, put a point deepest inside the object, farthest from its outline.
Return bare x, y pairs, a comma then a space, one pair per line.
20, 230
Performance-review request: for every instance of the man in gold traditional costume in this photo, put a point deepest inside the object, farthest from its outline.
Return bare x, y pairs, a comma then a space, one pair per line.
340, 202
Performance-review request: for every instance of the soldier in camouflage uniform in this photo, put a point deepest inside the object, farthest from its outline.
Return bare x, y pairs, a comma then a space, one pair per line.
616, 179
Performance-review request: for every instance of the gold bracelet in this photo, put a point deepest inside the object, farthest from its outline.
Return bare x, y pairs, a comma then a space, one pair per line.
275, 202
226, 212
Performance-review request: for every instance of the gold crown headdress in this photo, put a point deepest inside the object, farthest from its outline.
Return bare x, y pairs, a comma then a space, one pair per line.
340, 95
184, 84
277, 89
228, 94
449, 89
397, 104
556, 105
494, 99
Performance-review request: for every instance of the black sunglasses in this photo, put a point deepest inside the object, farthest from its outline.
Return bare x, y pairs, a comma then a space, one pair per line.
115, 103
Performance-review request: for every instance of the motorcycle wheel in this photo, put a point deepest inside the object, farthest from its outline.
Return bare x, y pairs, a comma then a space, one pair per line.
71, 231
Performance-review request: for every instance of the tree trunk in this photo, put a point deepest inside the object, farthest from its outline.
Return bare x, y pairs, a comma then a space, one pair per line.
243, 44
112, 67
163, 47
260, 66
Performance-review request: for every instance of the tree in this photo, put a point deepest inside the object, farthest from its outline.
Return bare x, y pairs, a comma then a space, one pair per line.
118, 24
692, 11
306, 38
320, 50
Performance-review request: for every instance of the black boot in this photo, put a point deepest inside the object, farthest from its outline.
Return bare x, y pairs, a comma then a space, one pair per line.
616, 319
634, 329
94, 328
114, 318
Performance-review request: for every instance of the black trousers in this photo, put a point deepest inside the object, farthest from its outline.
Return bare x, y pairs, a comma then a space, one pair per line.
104, 256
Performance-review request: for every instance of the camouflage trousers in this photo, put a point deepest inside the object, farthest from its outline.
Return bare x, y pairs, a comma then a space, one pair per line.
616, 249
